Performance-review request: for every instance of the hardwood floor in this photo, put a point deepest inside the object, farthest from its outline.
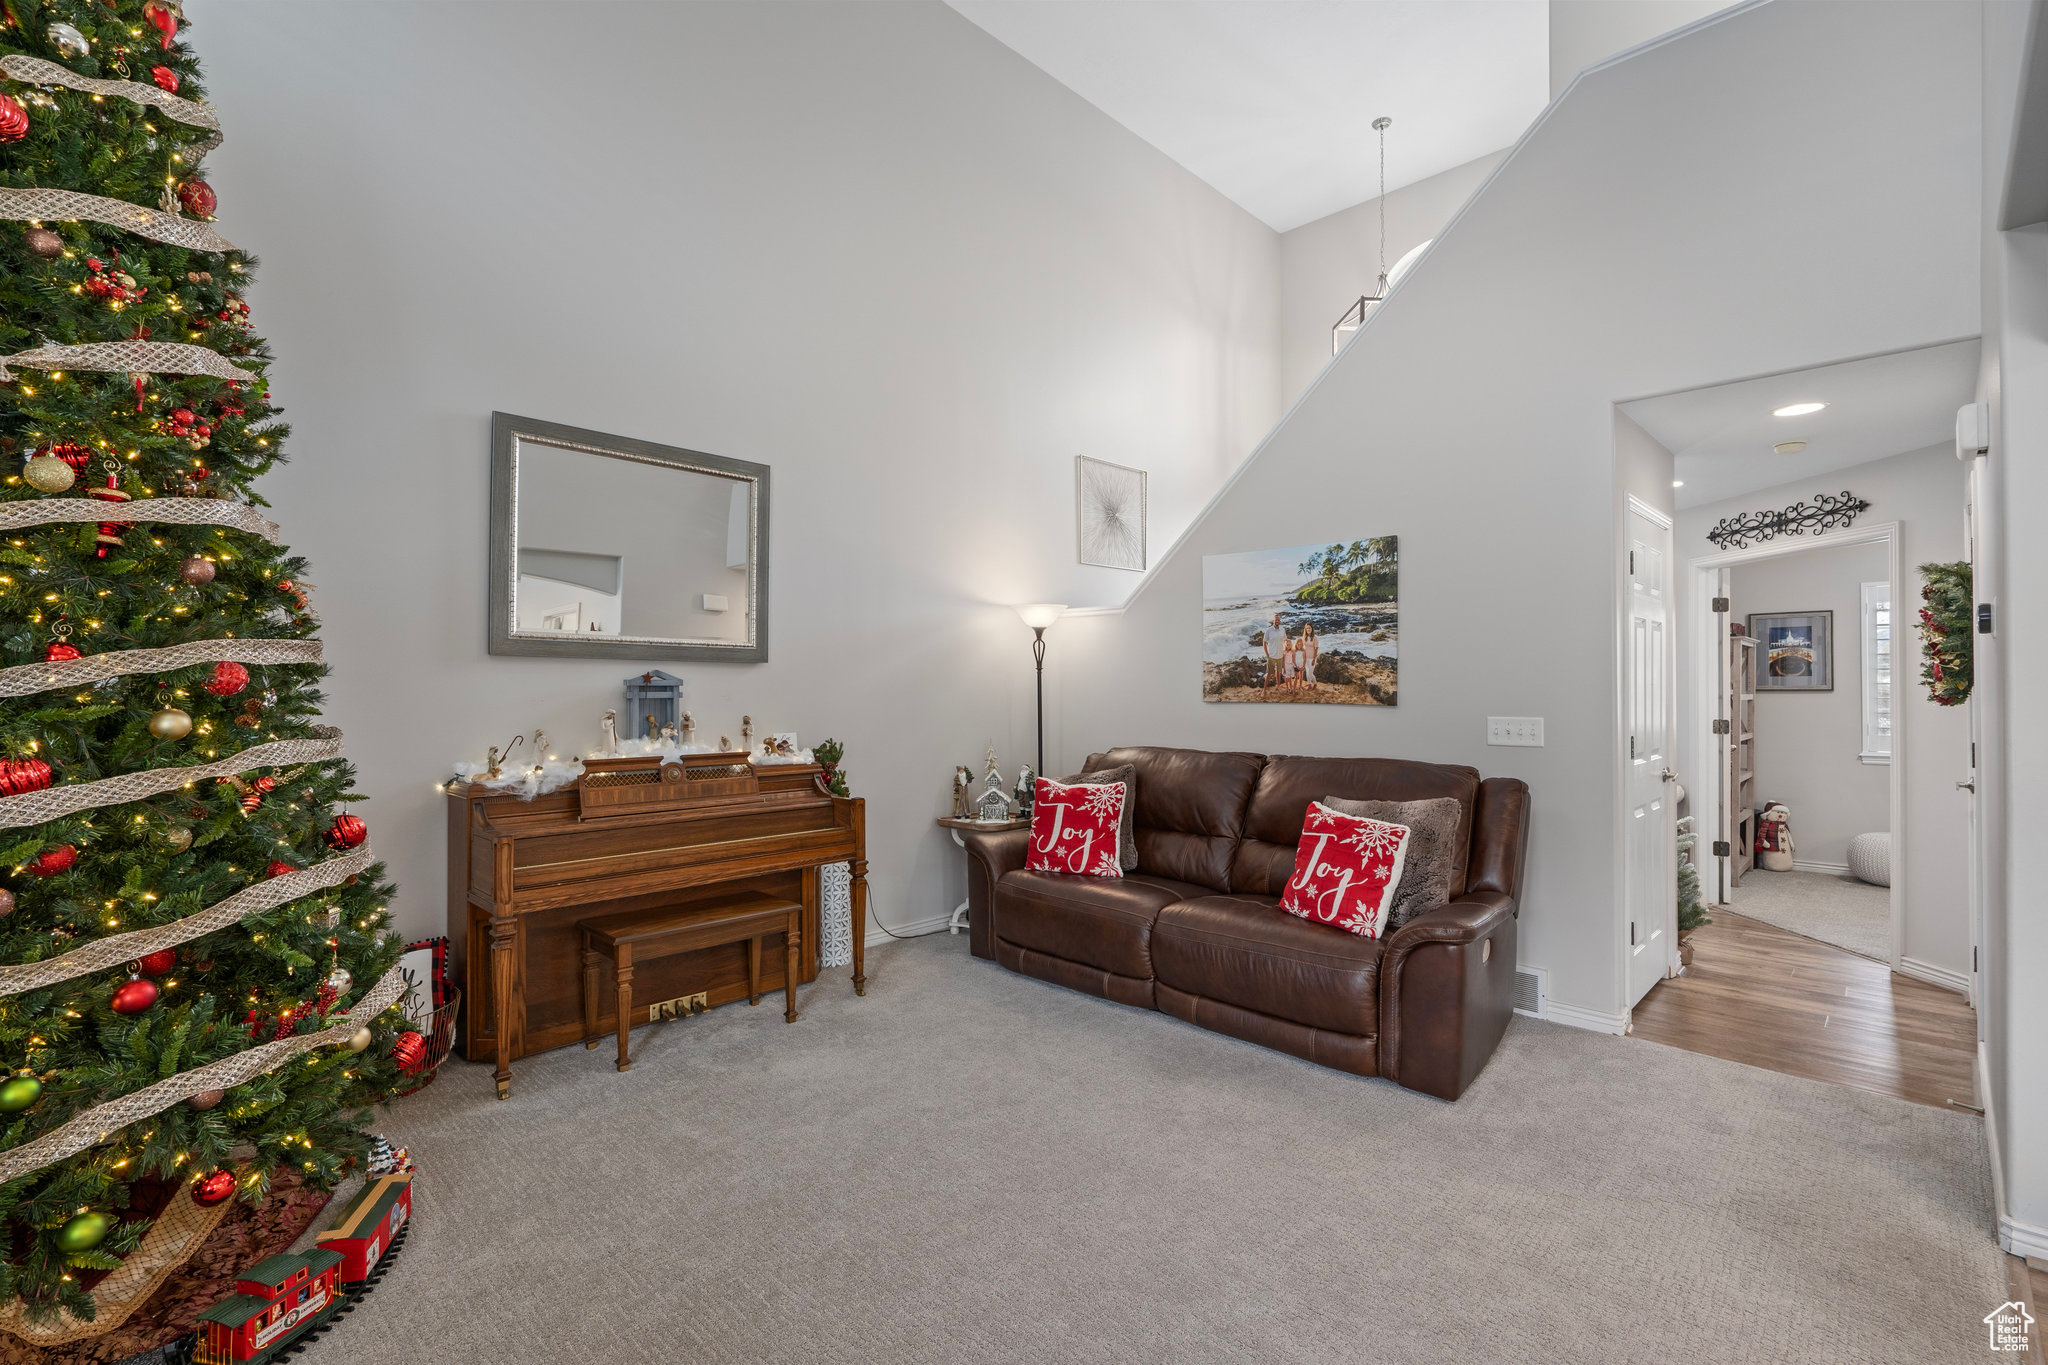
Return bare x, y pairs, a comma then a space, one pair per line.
1777, 1000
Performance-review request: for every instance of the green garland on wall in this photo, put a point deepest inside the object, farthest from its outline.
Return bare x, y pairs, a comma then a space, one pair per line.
1945, 644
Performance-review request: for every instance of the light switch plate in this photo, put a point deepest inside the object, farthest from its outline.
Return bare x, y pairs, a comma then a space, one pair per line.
1519, 731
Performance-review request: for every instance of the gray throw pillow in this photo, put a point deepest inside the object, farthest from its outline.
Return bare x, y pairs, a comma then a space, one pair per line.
1427, 866
1126, 840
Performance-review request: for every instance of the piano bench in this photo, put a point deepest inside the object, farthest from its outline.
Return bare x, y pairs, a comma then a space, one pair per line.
646, 935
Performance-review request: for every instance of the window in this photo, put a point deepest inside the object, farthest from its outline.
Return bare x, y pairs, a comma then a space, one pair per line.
1877, 673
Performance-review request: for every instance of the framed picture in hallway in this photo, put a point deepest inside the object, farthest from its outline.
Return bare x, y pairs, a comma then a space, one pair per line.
1307, 623
1795, 650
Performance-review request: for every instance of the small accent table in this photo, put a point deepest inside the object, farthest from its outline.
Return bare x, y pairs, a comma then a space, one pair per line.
953, 826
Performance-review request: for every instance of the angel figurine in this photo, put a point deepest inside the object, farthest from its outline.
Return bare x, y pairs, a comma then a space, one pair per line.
608, 735
540, 751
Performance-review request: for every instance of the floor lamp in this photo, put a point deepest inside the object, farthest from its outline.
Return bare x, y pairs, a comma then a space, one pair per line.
1039, 615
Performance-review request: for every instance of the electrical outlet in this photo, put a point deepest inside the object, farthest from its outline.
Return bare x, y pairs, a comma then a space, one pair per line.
679, 1008
1520, 731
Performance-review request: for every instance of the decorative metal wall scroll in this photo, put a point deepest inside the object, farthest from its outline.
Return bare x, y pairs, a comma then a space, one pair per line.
1827, 512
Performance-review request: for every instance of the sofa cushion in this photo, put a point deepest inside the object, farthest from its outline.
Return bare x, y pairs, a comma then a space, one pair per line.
1191, 810
1246, 951
1272, 826
1101, 922
1127, 842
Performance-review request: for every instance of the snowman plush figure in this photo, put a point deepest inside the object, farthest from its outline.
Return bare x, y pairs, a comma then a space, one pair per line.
1774, 838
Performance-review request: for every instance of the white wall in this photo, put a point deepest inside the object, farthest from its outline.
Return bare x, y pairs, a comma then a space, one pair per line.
1662, 228
2013, 729
1922, 490
1326, 265
866, 245
1583, 32
1809, 744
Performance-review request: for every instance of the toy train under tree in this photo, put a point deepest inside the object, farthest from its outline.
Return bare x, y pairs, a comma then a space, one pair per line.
283, 1300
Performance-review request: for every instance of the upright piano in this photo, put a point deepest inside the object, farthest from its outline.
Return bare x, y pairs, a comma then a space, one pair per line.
632, 834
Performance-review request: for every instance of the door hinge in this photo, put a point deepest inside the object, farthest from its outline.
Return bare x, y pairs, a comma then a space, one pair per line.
1721, 604
1722, 727
1973, 961
1631, 933
1631, 746
1721, 849
1984, 618
1631, 563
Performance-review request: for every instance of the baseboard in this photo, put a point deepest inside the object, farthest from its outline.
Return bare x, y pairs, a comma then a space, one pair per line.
1959, 982
1825, 869
877, 935
1591, 1020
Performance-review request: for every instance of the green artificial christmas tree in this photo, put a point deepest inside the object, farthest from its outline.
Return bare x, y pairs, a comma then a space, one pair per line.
1692, 911
195, 965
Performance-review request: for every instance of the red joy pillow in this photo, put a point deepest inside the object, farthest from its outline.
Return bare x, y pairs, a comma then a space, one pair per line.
1345, 870
1074, 829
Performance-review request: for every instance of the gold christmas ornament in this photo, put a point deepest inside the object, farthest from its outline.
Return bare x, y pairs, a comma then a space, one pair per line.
359, 1041
178, 838
170, 723
48, 474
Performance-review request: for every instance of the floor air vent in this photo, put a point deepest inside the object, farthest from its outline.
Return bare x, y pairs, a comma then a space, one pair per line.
1531, 985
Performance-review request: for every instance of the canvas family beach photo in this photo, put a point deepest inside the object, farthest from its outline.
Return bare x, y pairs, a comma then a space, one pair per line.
1310, 623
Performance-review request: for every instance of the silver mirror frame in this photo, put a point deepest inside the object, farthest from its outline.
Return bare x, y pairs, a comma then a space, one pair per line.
506, 433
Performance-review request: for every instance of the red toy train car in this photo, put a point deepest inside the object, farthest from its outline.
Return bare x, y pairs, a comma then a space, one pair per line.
280, 1300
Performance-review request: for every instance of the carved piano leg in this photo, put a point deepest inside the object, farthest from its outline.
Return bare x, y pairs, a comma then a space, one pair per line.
860, 925
504, 929
791, 936
590, 985
623, 975
753, 971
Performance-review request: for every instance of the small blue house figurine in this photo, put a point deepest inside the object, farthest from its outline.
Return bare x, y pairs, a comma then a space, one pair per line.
653, 699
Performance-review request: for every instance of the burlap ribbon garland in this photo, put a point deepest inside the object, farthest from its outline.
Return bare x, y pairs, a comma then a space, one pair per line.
155, 224
25, 680
99, 1123
22, 67
115, 949
51, 803
236, 516
131, 357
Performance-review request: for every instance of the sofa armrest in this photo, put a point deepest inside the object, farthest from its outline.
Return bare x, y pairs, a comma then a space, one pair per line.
990, 854
1447, 983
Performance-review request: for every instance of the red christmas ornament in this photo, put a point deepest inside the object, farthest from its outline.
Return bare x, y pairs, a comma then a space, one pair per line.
165, 78
163, 16
134, 995
198, 198
326, 996
228, 677
13, 119
109, 535
58, 652
221, 1183
410, 1052
346, 832
158, 962
70, 452
59, 859
278, 869
18, 775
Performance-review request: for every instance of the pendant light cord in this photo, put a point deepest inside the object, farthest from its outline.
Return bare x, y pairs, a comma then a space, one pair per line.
1380, 125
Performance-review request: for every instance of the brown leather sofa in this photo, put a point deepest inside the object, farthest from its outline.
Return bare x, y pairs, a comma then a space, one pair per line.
1197, 931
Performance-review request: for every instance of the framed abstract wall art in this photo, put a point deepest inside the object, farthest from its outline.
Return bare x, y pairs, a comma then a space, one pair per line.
1308, 623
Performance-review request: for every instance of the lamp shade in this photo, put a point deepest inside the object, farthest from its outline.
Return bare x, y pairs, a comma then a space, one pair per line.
1039, 615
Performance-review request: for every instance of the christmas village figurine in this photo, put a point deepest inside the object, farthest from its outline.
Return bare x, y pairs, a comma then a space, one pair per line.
608, 735
992, 807
963, 792
1026, 791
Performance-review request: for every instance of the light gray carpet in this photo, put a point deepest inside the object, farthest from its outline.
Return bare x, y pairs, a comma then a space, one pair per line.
973, 1166
1838, 910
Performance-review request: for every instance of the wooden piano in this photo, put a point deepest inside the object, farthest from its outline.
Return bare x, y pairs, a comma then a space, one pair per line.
632, 834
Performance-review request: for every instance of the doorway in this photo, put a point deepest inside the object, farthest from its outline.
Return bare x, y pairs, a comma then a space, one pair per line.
1648, 699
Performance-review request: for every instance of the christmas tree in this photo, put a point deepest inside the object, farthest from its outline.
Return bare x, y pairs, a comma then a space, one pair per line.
195, 968
1692, 912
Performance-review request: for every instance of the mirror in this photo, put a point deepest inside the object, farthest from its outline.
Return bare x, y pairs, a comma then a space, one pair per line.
607, 547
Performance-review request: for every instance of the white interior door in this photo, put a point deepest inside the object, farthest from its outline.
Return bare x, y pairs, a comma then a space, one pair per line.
1648, 701
1973, 521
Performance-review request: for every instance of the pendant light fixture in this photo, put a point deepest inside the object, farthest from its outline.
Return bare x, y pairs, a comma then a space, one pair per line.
1354, 316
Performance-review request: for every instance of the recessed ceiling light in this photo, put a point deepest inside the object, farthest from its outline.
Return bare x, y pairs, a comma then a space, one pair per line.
1797, 409
1678, 483
1788, 447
